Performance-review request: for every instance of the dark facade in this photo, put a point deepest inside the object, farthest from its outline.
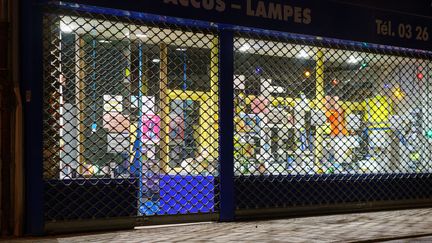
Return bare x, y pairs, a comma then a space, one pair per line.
146, 112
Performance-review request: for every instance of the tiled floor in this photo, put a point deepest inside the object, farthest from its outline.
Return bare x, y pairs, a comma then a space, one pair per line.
393, 226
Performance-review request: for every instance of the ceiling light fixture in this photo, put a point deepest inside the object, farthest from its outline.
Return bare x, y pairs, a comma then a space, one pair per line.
353, 60
302, 54
244, 47
65, 28
141, 35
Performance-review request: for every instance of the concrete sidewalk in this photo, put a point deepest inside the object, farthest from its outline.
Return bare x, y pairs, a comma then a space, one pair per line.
393, 226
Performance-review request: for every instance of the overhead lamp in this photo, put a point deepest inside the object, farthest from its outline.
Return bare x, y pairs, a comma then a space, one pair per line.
180, 49
156, 60
104, 41
244, 47
302, 54
65, 28
307, 74
141, 35
127, 33
353, 60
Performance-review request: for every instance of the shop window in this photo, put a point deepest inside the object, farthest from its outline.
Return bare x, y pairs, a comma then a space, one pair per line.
352, 78
286, 74
189, 69
184, 116
132, 102
303, 109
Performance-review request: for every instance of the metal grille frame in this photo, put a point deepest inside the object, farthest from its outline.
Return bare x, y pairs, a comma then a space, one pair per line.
107, 198
102, 48
261, 188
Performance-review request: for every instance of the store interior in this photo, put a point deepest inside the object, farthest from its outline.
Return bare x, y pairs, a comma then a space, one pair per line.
142, 101
136, 102
309, 110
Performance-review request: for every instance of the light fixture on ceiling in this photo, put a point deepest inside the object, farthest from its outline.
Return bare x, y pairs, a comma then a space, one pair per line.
141, 35
156, 60
127, 34
353, 60
65, 28
244, 47
180, 49
302, 54
104, 41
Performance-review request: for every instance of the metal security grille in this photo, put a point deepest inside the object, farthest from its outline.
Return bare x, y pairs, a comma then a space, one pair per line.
319, 123
130, 117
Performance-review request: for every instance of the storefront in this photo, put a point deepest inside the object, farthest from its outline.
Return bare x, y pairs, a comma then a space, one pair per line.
145, 112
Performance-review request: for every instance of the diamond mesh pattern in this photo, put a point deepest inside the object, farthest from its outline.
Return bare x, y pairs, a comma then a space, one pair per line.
130, 118
319, 123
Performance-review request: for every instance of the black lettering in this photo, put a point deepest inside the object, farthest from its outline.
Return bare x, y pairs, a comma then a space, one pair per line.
195, 4
379, 22
275, 11
297, 15
261, 10
184, 3
307, 18
249, 10
220, 5
288, 12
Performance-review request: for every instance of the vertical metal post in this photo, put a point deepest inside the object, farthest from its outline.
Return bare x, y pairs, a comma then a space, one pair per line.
226, 125
320, 92
139, 131
80, 99
429, 112
31, 66
213, 137
164, 108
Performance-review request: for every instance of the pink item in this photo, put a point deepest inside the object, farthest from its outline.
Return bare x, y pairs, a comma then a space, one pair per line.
116, 122
151, 127
260, 105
